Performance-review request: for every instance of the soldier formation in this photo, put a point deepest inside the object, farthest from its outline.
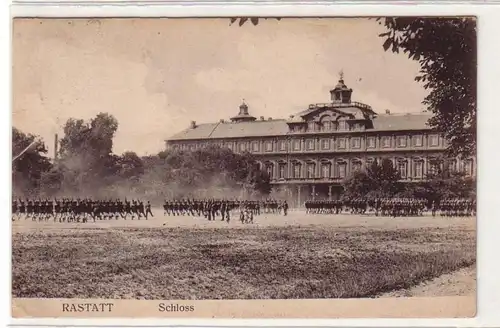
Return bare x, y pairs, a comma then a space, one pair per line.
79, 210
394, 207
83, 210
212, 209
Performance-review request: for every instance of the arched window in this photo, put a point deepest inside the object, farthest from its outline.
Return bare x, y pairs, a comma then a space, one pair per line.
341, 125
402, 168
281, 170
327, 126
418, 169
297, 167
341, 169
311, 168
269, 169
325, 169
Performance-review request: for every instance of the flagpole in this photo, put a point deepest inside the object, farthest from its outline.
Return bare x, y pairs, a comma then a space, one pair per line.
25, 150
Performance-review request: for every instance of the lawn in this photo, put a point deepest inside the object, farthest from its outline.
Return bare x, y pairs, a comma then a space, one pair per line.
242, 263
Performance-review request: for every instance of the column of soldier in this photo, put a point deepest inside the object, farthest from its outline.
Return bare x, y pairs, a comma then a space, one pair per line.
394, 207
79, 210
212, 209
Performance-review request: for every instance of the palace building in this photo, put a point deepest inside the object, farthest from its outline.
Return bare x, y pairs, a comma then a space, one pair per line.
309, 154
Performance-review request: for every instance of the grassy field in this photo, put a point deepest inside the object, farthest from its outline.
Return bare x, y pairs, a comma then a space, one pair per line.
237, 262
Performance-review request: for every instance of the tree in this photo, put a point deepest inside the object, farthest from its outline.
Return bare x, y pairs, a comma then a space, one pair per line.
377, 180
85, 153
213, 170
130, 166
29, 167
446, 50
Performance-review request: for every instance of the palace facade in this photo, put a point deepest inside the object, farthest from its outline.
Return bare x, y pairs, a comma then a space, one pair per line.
309, 154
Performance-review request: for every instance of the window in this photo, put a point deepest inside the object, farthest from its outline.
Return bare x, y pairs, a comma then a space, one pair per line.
296, 170
269, 145
402, 141
325, 170
342, 125
419, 169
311, 126
255, 146
310, 170
417, 141
282, 170
402, 169
386, 142
282, 145
269, 170
342, 170
327, 126
452, 165
230, 146
370, 142
433, 140
310, 144
296, 145
341, 143
325, 144
241, 147
468, 168
356, 142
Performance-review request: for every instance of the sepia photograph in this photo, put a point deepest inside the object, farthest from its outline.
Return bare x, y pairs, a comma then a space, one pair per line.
244, 158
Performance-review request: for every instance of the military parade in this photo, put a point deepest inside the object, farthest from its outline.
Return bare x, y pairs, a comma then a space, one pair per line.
79, 210
86, 209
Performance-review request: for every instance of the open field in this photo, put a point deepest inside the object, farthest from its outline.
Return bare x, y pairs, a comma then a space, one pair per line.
298, 256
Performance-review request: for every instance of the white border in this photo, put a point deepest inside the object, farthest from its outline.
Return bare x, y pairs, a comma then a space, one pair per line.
488, 154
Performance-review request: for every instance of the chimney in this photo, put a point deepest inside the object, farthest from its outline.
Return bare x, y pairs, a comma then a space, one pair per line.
56, 144
270, 119
388, 112
193, 124
262, 118
221, 120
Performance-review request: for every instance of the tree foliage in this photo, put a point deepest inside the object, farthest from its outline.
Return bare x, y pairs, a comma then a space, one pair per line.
85, 154
377, 180
446, 49
29, 168
87, 166
254, 20
214, 170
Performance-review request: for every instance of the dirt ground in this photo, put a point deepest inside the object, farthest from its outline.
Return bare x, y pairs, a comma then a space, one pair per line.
459, 283
294, 218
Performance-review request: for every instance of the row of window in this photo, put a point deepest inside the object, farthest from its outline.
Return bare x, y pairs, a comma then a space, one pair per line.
327, 126
327, 144
341, 169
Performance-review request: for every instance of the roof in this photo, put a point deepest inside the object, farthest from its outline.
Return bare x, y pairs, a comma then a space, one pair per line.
222, 130
233, 130
394, 122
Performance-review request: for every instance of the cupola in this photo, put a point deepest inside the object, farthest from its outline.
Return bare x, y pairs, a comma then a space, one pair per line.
341, 93
243, 115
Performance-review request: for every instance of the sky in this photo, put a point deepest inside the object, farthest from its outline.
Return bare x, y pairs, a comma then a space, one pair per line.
156, 75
